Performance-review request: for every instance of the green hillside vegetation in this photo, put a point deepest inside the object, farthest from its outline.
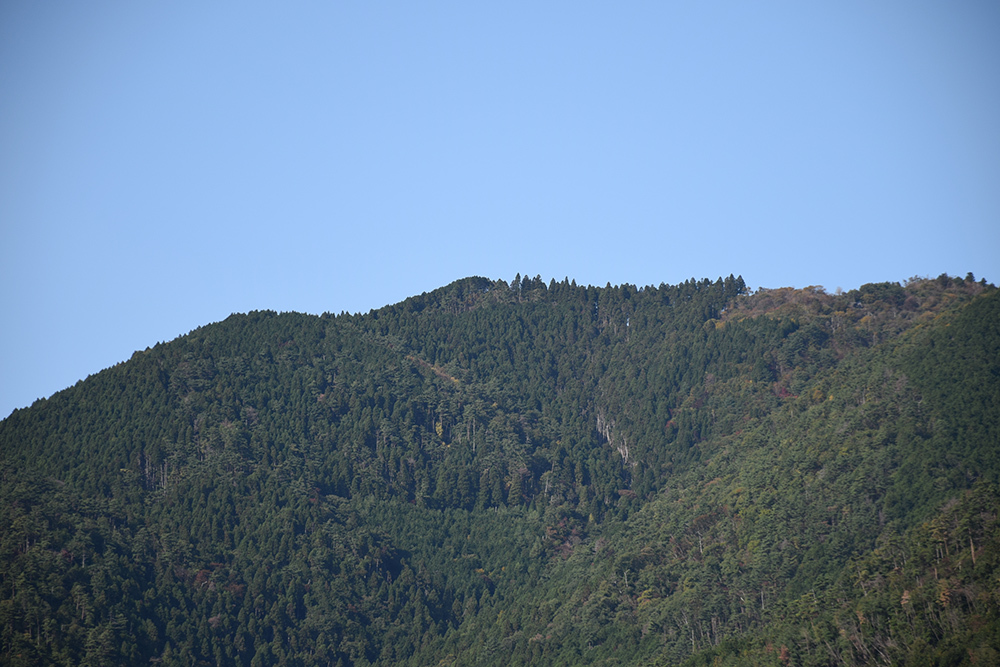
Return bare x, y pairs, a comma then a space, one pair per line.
524, 473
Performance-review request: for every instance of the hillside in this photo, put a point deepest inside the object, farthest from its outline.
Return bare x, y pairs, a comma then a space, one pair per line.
524, 473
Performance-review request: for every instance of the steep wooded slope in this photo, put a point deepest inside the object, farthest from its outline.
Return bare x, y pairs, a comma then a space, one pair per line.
523, 473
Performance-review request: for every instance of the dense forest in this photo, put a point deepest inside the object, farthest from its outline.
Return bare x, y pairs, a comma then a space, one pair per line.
524, 473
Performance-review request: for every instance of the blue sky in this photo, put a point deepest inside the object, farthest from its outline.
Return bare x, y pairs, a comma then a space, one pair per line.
163, 165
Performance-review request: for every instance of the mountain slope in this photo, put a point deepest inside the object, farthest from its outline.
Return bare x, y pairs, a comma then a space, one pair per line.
522, 473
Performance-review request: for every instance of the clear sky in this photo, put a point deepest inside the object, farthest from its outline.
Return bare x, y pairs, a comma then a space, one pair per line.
165, 164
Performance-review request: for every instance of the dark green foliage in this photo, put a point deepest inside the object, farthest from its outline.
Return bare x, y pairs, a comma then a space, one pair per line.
524, 473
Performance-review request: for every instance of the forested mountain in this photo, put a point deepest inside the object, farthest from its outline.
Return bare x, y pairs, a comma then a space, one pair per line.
524, 473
